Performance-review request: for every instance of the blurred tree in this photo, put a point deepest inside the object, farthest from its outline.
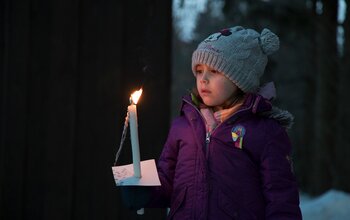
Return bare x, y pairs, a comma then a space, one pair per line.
342, 147
323, 169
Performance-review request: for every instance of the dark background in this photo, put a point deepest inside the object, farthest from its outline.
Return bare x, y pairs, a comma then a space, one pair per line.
69, 67
67, 71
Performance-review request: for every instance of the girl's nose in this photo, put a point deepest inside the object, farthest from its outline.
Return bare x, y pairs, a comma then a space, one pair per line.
204, 78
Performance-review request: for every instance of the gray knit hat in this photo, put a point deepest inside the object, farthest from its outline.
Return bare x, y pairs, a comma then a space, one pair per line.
239, 53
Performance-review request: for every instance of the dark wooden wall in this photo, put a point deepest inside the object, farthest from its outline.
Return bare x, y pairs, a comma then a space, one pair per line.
67, 70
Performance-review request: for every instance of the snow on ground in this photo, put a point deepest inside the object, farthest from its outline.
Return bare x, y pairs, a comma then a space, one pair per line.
332, 205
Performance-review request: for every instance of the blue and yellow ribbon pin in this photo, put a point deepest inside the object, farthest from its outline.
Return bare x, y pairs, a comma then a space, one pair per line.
237, 134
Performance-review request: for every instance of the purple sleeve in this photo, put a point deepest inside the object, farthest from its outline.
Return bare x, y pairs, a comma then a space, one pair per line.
279, 184
166, 169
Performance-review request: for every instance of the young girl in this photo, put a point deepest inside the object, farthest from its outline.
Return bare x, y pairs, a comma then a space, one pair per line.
227, 155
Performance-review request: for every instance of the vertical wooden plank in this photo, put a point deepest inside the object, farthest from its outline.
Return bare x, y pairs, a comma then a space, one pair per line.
4, 38
15, 31
37, 111
62, 83
100, 63
83, 203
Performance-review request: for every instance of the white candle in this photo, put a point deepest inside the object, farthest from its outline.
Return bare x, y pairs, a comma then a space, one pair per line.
134, 133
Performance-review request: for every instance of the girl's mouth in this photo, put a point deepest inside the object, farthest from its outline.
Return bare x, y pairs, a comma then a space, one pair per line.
205, 91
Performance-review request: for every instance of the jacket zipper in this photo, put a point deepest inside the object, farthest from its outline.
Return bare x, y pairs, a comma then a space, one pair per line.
207, 140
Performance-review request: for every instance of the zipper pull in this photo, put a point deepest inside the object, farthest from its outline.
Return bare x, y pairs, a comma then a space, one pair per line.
207, 138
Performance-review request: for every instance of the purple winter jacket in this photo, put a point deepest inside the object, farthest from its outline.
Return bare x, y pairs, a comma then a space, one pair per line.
209, 178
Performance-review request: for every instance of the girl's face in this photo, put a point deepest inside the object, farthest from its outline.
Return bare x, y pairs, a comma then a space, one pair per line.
214, 87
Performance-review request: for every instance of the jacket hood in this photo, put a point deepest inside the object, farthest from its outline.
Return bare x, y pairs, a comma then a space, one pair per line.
284, 117
255, 104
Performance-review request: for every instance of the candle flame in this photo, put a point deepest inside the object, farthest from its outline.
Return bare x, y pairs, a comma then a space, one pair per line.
135, 96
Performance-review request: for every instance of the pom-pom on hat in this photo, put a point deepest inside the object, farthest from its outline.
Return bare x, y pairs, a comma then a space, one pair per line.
239, 53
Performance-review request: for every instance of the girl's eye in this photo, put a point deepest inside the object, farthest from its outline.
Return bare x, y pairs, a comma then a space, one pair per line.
199, 71
214, 71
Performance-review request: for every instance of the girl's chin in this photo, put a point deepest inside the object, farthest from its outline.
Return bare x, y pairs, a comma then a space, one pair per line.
209, 103
213, 105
